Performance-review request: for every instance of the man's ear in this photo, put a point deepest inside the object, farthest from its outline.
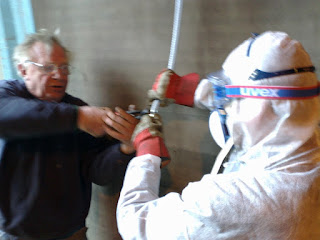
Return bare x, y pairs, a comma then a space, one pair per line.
22, 70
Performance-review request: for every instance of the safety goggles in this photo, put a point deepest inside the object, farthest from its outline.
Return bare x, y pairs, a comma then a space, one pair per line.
224, 92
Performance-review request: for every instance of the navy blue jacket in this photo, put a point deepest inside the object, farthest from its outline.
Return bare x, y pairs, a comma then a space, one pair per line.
47, 165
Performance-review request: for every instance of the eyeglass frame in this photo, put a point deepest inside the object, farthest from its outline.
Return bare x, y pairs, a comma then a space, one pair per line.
65, 68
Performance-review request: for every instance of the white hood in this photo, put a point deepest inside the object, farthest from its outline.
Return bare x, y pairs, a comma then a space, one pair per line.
272, 134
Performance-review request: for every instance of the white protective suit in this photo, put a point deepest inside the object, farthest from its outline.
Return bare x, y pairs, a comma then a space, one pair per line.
274, 194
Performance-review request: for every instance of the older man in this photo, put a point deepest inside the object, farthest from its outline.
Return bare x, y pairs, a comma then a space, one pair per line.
53, 146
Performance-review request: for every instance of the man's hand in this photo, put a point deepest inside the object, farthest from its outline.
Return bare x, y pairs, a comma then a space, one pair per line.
90, 120
169, 87
120, 125
99, 121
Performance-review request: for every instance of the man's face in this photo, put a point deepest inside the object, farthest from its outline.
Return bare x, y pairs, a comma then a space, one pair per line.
46, 86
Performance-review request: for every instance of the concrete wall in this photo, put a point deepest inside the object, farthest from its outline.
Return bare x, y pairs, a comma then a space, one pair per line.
120, 46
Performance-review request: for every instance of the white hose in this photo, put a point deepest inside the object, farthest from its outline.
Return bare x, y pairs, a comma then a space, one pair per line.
175, 33
174, 46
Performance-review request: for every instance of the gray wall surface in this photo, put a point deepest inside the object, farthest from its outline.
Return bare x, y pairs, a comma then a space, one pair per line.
120, 46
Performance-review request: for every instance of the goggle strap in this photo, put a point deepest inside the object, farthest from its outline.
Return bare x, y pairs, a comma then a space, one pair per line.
223, 116
258, 74
272, 92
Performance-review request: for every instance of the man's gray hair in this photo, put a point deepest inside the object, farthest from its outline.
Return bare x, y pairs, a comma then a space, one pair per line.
22, 51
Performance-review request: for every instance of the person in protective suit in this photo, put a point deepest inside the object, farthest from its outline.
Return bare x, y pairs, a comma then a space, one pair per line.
267, 101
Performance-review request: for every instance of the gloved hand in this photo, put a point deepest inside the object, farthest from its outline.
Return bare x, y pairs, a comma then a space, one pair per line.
169, 87
147, 138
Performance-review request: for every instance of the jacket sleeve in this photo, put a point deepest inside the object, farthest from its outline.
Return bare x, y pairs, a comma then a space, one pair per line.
102, 161
141, 214
25, 116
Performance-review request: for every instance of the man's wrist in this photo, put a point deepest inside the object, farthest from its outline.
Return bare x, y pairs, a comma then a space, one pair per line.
127, 149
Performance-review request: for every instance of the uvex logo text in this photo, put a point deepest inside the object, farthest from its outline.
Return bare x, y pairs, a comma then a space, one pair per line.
259, 92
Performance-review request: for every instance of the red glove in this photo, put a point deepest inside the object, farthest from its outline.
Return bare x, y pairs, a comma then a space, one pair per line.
147, 138
169, 85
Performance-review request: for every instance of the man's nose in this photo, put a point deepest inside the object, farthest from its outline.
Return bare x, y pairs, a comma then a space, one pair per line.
58, 74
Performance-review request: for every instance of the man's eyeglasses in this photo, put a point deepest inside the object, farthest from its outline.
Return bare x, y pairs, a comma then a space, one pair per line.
50, 68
